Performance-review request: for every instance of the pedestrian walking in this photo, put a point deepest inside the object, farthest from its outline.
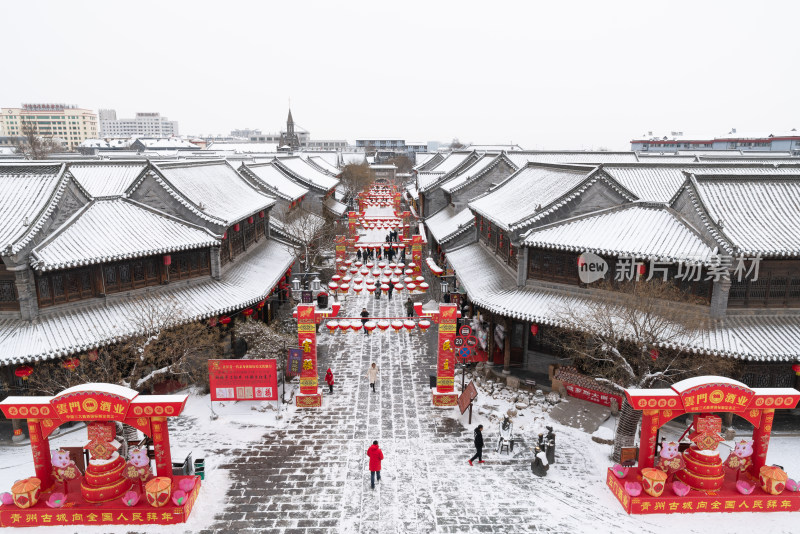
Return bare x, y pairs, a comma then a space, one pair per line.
372, 376
389, 291
478, 445
378, 291
410, 307
358, 254
329, 379
364, 319
375, 456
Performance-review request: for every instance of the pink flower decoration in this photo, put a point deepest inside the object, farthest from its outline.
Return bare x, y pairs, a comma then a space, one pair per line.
680, 489
744, 487
130, 498
791, 485
6, 498
186, 484
634, 489
620, 471
179, 497
56, 500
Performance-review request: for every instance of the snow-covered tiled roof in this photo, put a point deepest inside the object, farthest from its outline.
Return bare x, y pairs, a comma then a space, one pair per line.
322, 164
447, 223
166, 143
412, 190
427, 179
451, 162
534, 191
746, 337
469, 174
757, 215
275, 179
660, 182
243, 148
641, 230
62, 331
353, 158
422, 157
308, 174
106, 179
215, 189
336, 207
429, 162
115, 229
28, 192
521, 159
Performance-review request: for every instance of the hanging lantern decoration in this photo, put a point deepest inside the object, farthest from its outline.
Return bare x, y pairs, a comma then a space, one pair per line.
653, 354
371, 288
212, 321
261, 304
225, 320
399, 287
344, 325
93, 355
356, 326
250, 220
384, 325
357, 289
336, 278
534, 329
424, 324
23, 371
353, 270
225, 236
236, 227
397, 325
71, 364
332, 326
344, 288
796, 369
409, 324
167, 259
409, 271
641, 269
423, 286
369, 326
261, 214
248, 312
411, 286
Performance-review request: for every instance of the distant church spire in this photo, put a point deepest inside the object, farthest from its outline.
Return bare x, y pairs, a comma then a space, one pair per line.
290, 138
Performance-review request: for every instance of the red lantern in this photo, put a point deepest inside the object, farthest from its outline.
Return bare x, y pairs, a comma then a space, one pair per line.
236, 227
654, 354
225, 236
93, 355
424, 324
796, 369
213, 321
23, 371
250, 220
71, 364
261, 304
534, 329
261, 214
167, 259
225, 320
248, 312
332, 326
641, 269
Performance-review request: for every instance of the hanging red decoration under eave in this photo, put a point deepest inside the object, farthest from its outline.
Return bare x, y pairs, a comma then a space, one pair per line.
796, 369
261, 304
250, 220
71, 364
23, 371
224, 320
261, 214
534, 329
248, 312
641, 269
167, 259
93, 355
236, 227
654, 354
225, 236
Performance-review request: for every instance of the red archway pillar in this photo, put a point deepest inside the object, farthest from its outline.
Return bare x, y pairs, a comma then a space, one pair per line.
416, 253
310, 395
761, 440
647, 440
446, 356
40, 447
161, 446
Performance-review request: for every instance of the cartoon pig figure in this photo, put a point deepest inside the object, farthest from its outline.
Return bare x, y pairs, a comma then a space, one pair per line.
138, 457
61, 458
740, 457
670, 460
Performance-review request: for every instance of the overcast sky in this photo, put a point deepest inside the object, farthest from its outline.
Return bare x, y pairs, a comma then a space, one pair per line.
555, 74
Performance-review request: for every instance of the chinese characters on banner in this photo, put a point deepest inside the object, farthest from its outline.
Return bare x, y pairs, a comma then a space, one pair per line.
243, 380
416, 252
446, 350
294, 362
591, 395
627, 268
307, 337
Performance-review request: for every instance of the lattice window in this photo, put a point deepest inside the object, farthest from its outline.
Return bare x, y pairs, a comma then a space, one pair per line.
64, 286
778, 286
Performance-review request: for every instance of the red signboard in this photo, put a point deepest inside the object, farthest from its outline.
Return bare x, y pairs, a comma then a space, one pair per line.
591, 395
90, 406
307, 338
716, 397
447, 348
243, 380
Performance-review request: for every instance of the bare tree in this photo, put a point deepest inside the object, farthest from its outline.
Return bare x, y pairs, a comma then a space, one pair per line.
402, 162
310, 237
355, 178
34, 146
636, 335
166, 346
455, 144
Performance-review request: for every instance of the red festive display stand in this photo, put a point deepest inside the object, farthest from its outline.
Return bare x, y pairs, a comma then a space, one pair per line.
95, 404
109, 513
308, 317
447, 318
696, 397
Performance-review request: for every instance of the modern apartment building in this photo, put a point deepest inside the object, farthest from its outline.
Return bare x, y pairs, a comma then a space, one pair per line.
68, 123
150, 124
779, 141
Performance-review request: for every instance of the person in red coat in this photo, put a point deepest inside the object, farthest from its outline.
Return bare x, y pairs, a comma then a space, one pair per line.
329, 379
375, 456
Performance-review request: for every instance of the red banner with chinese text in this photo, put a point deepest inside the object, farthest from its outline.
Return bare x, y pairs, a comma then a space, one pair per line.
307, 338
243, 380
446, 361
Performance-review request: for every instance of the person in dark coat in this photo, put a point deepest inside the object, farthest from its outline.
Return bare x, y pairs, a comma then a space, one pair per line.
410, 307
478, 445
378, 291
358, 254
364, 319
375, 456
329, 379
391, 288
